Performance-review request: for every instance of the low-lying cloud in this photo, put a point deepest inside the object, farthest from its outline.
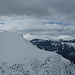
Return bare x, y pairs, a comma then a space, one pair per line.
37, 26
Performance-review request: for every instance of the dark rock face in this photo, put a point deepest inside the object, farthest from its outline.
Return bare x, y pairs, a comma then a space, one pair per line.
66, 48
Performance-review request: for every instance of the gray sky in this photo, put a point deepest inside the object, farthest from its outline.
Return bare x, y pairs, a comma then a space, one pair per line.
38, 14
65, 8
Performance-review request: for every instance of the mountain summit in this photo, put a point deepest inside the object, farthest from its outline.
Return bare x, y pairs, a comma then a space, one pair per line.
19, 57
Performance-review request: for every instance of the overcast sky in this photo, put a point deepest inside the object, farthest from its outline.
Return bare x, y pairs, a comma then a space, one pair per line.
38, 7
52, 15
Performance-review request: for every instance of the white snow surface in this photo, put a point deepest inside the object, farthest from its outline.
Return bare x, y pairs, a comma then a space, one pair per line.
13, 47
19, 57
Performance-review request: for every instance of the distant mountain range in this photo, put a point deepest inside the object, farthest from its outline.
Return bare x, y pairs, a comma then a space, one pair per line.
66, 48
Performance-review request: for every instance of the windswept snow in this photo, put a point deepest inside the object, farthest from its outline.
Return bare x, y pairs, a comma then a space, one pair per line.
20, 57
13, 47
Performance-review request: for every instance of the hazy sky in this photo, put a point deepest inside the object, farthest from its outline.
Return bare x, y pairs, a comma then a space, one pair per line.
56, 16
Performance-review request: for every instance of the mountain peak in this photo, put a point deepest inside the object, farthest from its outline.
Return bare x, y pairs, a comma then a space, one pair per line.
21, 57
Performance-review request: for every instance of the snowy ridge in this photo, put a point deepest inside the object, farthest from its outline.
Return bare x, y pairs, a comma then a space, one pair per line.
19, 57
63, 47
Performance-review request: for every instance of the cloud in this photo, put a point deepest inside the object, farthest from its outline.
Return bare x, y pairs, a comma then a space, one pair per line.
37, 27
64, 8
54, 17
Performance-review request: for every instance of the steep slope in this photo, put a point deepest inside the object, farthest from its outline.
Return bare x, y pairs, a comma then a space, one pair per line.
19, 57
66, 48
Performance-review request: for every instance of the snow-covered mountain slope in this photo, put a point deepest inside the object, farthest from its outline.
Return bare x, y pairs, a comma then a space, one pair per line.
65, 48
19, 57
